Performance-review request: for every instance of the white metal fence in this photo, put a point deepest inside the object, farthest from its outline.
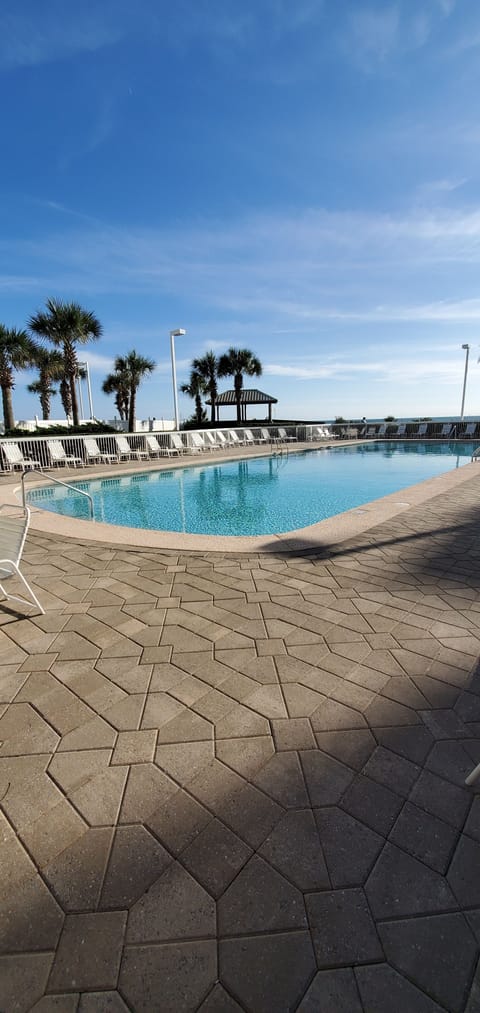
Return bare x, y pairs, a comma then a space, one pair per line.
77, 451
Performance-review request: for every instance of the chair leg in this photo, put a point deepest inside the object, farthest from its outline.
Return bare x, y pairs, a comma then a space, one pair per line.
13, 597
473, 776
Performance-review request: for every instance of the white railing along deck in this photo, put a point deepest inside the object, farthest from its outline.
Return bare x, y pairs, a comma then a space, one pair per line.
35, 452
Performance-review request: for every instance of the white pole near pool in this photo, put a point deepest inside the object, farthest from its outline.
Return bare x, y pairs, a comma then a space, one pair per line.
178, 333
467, 352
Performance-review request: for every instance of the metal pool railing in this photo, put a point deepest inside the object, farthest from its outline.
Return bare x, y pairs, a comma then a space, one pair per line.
29, 452
58, 481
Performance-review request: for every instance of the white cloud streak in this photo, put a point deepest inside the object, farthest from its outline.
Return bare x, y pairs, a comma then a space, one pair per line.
44, 34
317, 266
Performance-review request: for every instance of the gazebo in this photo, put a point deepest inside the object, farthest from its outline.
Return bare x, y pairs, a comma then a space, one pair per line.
247, 397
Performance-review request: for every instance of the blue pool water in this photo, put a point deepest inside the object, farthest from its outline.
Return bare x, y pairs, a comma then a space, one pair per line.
263, 495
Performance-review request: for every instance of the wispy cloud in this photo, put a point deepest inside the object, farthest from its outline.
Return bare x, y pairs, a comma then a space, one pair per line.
290, 271
44, 34
97, 363
446, 370
374, 35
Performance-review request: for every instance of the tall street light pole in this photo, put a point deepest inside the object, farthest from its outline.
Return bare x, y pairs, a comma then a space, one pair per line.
178, 333
467, 351
85, 366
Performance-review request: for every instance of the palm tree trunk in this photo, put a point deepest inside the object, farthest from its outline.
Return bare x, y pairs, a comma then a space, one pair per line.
238, 383
45, 403
73, 395
131, 413
213, 398
8, 416
65, 396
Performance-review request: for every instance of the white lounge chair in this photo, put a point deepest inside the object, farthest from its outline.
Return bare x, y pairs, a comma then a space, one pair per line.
58, 457
176, 443
210, 442
15, 459
156, 449
93, 453
446, 429
422, 429
153, 446
283, 436
196, 443
401, 429
248, 437
14, 523
222, 440
470, 429
267, 436
235, 439
125, 451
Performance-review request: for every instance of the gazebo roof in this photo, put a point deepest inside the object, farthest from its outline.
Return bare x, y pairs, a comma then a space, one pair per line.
252, 396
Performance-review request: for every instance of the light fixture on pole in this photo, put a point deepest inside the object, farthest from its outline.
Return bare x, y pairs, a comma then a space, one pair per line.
178, 333
467, 352
86, 371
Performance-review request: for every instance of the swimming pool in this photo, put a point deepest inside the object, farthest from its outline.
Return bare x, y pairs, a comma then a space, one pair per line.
258, 495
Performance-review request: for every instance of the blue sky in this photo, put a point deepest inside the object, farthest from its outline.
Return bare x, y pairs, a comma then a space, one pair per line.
299, 178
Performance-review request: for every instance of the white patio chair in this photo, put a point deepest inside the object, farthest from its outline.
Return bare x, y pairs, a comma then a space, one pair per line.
15, 459
157, 449
470, 429
94, 454
196, 443
248, 438
58, 457
422, 429
177, 443
153, 446
125, 451
260, 438
328, 433
283, 436
234, 438
210, 441
14, 523
446, 429
222, 439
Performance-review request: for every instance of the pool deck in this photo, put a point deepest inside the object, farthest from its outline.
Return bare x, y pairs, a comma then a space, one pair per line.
234, 780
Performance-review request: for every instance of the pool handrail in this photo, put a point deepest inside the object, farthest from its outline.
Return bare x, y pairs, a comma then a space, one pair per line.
58, 481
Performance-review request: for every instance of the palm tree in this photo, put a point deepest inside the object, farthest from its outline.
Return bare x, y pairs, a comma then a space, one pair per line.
65, 396
17, 351
67, 325
117, 383
195, 388
133, 368
207, 368
50, 367
236, 362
